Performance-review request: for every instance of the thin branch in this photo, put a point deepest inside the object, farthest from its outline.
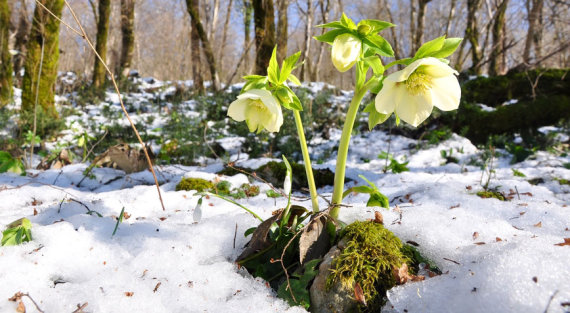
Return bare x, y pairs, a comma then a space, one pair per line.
60, 20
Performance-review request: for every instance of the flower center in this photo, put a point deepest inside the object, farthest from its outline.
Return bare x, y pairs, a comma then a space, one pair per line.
418, 83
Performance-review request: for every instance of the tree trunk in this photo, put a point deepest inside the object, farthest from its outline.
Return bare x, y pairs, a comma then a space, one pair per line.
282, 25
196, 24
196, 53
413, 26
472, 35
247, 16
5, 58
128, 33
214, 20
496, 65
101, 42
21, 40
450, 17
264, 19
225, 37
421, 21
324, 19
308, 38
45, 28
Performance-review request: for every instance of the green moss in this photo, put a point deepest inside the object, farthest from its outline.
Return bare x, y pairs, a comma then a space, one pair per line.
197, 184
491, 194
223, 188
371, 253
5, 57
250, 190
562, 181
415, 259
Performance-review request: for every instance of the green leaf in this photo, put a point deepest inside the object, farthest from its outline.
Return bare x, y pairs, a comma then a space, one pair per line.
405, 61
273, 68
361, 70
331, 35
254, 77
376, 64
294, 80
17, 232
10, 164
294, 102
517, 173
378, 199
260, 83
379, 45
285, 96
335, 24
249, 231
429, 48
375, 117
449, 46
288, 65
299, 284
376, 25
119, 221
347, 22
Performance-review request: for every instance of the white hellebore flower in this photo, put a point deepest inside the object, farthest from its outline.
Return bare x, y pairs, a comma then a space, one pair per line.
345, 51
259, 109
413, 91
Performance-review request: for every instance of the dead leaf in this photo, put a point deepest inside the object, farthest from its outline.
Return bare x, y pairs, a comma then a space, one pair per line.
35, 212
475, 235
498, 239
479, 243
539, 224
468, 187
413, 243
162, 218
156, 287
314, 241
527, 194
129, 293
565, 243
378, 218
522, 204
522, 213
359, 294
454, 206
259, 238
21, 307
126, 215
535, 279
401, 275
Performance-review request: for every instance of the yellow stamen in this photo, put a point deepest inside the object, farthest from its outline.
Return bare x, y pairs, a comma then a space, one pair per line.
418, 83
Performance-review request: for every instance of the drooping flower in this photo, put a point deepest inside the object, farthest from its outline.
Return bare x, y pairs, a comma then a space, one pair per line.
345, 51
259, 109
413, 92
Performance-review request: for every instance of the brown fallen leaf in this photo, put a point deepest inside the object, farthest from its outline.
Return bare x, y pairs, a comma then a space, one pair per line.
539, 224
126, 215
527, 194
475, 235
479, 243
401, 275
129, 293
35, 212
21, 307
498, 239
378, 218
522, 213
468, 187
359, 294
156, 287
535, 279
162, 218
565, 243
522, 204
454, 206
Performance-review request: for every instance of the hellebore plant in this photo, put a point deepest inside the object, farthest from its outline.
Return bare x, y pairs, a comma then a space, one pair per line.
410, 94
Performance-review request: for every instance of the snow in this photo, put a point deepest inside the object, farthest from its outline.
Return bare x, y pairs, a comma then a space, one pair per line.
496, 256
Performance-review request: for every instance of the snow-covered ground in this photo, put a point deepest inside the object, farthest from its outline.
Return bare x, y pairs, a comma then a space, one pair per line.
497, 256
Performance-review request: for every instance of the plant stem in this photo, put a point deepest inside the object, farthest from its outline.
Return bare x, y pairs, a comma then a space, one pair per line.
307, 160
343, 149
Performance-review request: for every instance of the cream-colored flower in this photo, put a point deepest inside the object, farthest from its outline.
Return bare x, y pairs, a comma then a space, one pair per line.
414, 91
259, 109
345, 51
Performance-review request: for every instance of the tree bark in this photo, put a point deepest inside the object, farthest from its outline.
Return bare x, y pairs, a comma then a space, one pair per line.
45, 28
421, 21
534, 34
496, 64
324, 19
308, 38
264, 19
413, 27
225, 37
196, 53
214, 20
101, 42
128, 34
472, 35
247, 17
5, 57
282, 25
21, 41
196, 24
450, 17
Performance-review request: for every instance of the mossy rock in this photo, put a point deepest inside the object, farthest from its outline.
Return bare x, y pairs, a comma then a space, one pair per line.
274, 173
493, 91
197, 184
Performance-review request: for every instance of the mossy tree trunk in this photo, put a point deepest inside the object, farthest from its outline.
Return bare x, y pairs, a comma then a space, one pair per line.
472, 35
5, 59
101, 42
196, 53
496, 64
128, 34
282, 25
193, 10
21, 41
534, 34
247, 15
264, 19
305, 66
45, 29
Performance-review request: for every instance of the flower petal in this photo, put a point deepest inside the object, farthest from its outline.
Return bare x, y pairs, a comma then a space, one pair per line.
387, 99
414, 109
446, 93
237, 109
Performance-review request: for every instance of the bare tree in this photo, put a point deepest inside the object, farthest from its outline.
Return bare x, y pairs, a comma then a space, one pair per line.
324, 6
534, 34
421, 21
264, 19
128, 35
497, 62
282, 25
247, 17
197, 24
20, 42
472, 35
225, 36
308, 38
450, 16
5, 58
99, 72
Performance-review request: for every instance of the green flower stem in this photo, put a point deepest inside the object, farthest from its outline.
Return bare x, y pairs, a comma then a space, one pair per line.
307, 160
343, 148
